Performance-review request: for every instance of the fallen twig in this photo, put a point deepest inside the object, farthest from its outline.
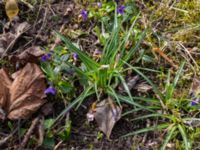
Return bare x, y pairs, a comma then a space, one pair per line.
163, 55
29, 132
8, 137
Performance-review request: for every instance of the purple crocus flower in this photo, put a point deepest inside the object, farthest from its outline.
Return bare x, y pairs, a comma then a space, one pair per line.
99, 4
43, 58
120, 9
75, 55
46, 57
84, 14
50, 90
195, 101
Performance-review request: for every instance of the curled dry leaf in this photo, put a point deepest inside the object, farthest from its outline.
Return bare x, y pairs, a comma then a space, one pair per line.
22, 97
31, 54
143, 87
106, 113
5, 40
8, 40
193, 123
21, 28
131, 83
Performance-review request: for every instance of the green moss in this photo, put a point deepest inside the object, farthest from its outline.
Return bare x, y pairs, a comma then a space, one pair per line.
180, 20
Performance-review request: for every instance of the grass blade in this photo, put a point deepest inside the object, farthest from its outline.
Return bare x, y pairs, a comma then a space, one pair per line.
126, 88
168, 137
149, 116
148, 80
126, 100
158, 127
73, 104
87, 60
185, 140
178, 74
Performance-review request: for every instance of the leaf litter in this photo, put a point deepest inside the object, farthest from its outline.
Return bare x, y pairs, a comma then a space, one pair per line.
24, 95
9, 39
106, 113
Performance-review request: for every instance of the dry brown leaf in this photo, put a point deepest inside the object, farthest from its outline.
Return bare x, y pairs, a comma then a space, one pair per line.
4, 89
131, 83
22, 97
8, 40
4, 96
5, 40
31, 54
4, 79
2, 114
26, 92
106, 115
143, 87
21, 28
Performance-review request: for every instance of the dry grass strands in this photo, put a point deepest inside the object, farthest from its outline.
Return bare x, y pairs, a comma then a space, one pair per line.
164, 56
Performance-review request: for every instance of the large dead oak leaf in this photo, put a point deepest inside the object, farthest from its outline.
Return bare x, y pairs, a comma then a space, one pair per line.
25, 94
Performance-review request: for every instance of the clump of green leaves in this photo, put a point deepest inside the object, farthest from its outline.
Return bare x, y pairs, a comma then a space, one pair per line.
59, 75
101, 77
176, 114
103, 16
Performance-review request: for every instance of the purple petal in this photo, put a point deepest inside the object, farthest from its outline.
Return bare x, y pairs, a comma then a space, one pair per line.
84, 14
46, 57
99, 4
50, 90
120, 9
49, 55
75, 55
43, 58
195, 99
193, 103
